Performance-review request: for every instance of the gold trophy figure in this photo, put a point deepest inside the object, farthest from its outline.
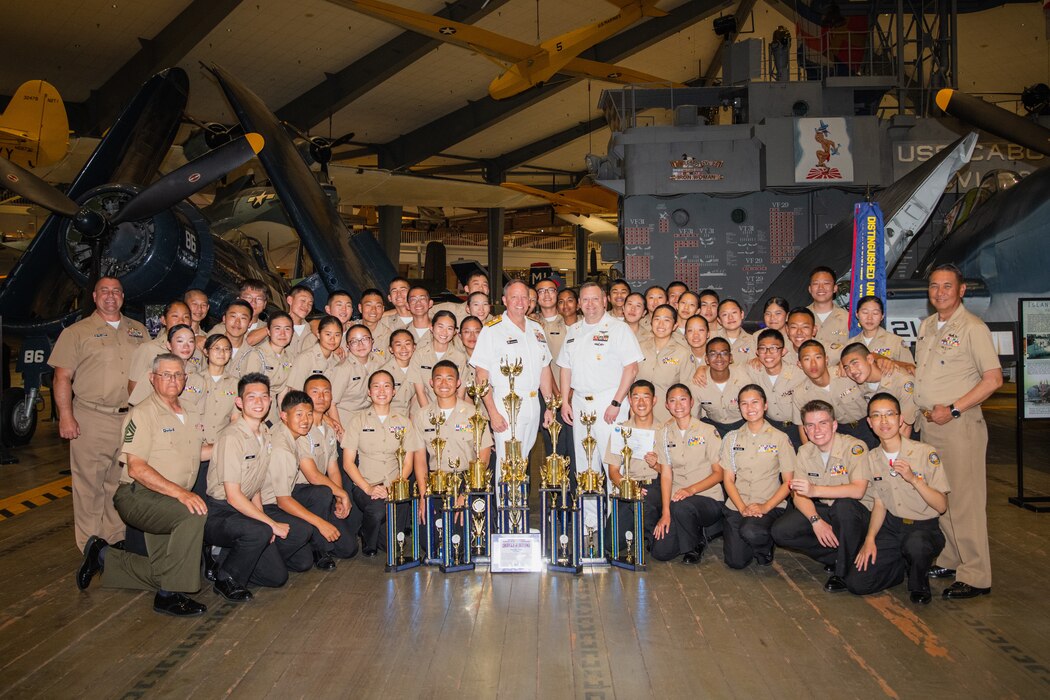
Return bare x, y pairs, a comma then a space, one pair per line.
514, 467
477, 521
478, 476
591, 480
555, 470
399, 490
630, 490
437, 478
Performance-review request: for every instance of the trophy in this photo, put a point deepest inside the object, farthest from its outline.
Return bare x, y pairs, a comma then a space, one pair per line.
628, 500
401, 502
478, 484
437, 485
513, 489
452, 559
592, 501
560, 515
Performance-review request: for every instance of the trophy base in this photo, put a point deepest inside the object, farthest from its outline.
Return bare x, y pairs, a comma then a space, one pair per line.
565, 568
594, 562
454, 568
621, 564
480, 559
390, 568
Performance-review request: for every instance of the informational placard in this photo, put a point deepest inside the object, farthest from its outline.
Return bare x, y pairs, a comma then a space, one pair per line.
516, 554
1034, 357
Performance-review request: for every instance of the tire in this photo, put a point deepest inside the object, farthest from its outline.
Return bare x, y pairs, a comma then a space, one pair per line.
16, 431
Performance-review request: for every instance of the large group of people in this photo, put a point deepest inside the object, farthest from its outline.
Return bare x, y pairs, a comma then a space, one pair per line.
266, 444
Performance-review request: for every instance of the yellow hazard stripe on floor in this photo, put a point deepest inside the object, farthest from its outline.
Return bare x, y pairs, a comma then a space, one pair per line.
34, 498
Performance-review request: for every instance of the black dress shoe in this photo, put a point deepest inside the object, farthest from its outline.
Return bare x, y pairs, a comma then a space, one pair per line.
211, 564
835, 584
693, 557
232, 591
90, 564
921, 597
370, 553
178, 605
962, 591
324, 561
763, 560
940, 572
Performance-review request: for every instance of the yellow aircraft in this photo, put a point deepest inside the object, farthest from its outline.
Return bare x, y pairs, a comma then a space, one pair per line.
34, 130
587, 205
525, 65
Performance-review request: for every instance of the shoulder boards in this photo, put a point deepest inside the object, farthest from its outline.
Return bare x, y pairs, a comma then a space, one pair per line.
494, 321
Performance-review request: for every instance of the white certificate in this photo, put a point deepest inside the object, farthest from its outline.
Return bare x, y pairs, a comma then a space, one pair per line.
642, 441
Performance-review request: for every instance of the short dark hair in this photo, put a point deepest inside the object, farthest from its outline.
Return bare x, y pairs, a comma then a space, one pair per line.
752, 387
622, 281
329, 321
256, 284
443, 313
252, 378
677, 283
673, 310
854, 349
678, 386
370, 292
812, 343
277, 315
823, 268
295, 398
316, 378
377, 373
176, 328
718, 339
776, 301
642, 384
817, 406
871, 297
709, 293
804, 311
707, 326
445, 363
343, 293
210, 341
401, 331
734, 302
773, 333
884, 396
950, 267
300, 288
239, 302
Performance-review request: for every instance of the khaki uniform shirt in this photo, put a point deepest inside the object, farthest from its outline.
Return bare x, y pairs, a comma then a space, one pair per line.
99, 356
142, 365
720, 405
240, 457
900, 497
350, 386
374, 443
283, 468
276, 367
217, 405
844, 395
152, 432
902, 386
458, 309
456, 432
380, 341
404, 401
303, 338
640, 470
743, 347
690, 453
848, 462
309, 363
780, 404
886, 344
322, 446
555, 330
833, 333
662, 368
425, 357
759, 462
952, 360
248, 359
688, 368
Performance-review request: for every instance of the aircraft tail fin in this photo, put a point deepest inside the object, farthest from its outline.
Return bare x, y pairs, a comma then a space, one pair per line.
649, 8
35, 122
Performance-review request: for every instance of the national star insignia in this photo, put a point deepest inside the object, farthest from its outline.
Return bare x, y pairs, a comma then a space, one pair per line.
447, 31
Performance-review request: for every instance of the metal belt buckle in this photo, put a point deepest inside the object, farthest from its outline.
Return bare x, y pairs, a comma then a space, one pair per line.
907, 521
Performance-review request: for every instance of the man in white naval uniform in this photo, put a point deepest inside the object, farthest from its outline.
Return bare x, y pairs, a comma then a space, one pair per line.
510, 337
599, 361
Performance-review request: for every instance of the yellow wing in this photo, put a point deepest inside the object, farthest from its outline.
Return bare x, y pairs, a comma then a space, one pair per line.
464, 35
559, 200
612, 73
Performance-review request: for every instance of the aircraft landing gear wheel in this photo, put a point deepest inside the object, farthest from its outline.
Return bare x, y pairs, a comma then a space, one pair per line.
17, 429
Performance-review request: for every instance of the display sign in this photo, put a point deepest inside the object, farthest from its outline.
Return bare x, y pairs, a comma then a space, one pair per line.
514, 554
1034, 357
822, 151
868, 274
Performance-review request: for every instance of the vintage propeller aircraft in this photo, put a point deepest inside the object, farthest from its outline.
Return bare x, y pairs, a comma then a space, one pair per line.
34, 129
525, 65
113, 222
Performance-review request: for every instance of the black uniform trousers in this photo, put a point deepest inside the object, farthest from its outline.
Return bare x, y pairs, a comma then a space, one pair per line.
789, 429
860, 430
849, 521
250, 556
373, 519
904, 548
689, 517
723, 428
651, 508
200, 486
318, 499
745, 539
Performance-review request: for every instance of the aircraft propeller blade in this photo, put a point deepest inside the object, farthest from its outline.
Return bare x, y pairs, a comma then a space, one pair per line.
27, 185
190, 178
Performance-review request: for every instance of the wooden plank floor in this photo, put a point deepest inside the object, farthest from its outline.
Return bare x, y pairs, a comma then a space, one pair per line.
674, 631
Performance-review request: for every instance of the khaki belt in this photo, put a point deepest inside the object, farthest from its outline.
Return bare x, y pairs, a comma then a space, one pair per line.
100, 408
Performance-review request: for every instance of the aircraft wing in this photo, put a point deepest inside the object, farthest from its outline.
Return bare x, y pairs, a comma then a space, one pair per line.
367, 186
464, 35
559, 200
612, 73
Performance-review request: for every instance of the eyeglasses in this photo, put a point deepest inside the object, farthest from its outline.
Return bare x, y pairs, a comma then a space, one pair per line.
719, 353
767, 349
358, 341
883, 414
547, 290
170, 376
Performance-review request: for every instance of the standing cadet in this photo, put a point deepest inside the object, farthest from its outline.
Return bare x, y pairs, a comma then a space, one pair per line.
216, 396
161, 451
197, 302
664, 358
245, 358
779, 380
957, 370
91, 360
176, 314
731, 318
178, 340
434, 348
691, 449
370, 460
350, 377
477, 281
419, 305
320, 358
397, 294
598, 362
568, 303
277, 356
910, 491
709, 301
260, 548
877, 339
758, 463
716, 399
300, 302
830, 517
319, 466
841, 392
832, 320
634, 314
402, 348
509, 338
618, 292
371, 308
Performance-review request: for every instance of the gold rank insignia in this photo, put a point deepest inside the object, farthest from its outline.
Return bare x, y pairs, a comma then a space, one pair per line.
494, 321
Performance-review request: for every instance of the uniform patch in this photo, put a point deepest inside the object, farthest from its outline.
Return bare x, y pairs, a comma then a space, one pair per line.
511, 341
602, 337
134, 333
102, 335
909, 387
695, 441
856, 450
745, 349
934, 459
885, 352
541, 338
129, 431
768, 449
950, 341
670, 361
838, 470
167, 430
836, 346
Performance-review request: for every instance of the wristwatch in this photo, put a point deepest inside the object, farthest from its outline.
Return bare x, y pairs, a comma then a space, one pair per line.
814, 518
956, 413
614, 403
